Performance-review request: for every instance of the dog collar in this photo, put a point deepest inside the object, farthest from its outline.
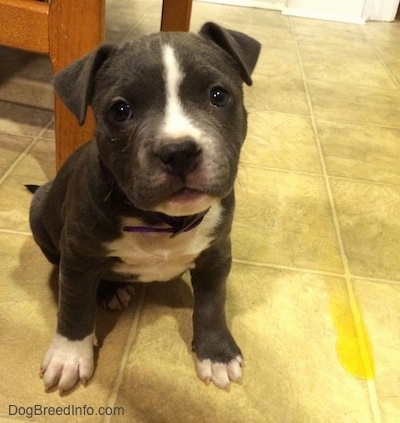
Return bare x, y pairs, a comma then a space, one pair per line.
177, 225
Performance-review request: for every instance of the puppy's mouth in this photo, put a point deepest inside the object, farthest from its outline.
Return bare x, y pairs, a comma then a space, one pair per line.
187, 194
185, 202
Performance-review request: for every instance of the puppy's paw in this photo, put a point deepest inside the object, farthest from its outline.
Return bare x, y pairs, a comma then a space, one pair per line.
221, 374
66, 362
120, 299
115, 295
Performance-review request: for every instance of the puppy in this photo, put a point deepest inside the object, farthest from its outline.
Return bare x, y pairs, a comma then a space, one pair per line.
152, 195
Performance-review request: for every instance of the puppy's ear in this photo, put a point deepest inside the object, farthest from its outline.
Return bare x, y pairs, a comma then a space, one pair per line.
244, 49
74, 84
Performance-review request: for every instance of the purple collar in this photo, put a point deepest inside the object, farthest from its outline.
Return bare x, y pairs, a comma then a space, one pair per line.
177, 225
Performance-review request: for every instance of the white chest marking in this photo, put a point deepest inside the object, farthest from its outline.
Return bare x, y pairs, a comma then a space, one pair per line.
156, 256
176, 123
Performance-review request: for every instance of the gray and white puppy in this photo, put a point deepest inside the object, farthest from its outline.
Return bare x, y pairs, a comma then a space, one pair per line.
152, 195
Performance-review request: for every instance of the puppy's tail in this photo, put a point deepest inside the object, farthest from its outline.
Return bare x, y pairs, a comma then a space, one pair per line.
32, 188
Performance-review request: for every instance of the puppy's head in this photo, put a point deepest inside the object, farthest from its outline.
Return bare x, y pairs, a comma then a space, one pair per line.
169, 112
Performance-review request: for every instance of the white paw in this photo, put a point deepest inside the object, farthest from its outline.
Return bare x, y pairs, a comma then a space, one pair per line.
121, 298
66, 362
220, 373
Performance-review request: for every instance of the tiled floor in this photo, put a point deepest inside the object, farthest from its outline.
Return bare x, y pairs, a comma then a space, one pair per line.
314, 295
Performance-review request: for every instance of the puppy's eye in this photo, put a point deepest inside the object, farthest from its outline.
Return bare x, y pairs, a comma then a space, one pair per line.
219, 97
121, 111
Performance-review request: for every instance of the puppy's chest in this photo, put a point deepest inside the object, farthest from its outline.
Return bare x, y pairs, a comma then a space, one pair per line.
148, 257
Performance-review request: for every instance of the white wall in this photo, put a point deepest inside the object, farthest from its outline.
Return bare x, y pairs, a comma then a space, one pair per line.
354, 11
337, 10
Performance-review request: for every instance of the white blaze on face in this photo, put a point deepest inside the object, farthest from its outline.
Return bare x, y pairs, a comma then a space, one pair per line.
179, 125
176, 124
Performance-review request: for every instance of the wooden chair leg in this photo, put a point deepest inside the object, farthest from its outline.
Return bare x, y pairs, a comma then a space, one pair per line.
176, 15
75, 28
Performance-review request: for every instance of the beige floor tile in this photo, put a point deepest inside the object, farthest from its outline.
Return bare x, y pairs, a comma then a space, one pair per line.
17, 119
147, 24
38, 166
24, 65
278, 59
326, 30
204, 12
389, 52
277, 93
351, 102
27, 92
352, 151
28, 318
341, 62
268, 26
394, 68
20, 81
123, 16
284, 219
282, 141
278, 55
388, 31
49, 132
369, 226
380, 305
270, 313
15, 200
11, 147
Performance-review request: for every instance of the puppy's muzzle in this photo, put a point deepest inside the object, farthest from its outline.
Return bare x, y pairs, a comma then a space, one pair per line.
179, 158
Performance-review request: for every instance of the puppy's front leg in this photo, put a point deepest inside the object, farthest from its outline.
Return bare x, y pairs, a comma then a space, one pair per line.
70, 355
219, 358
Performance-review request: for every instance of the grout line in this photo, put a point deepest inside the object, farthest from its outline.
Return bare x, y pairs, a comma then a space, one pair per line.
360, 86
14, 232
376, 280
365, 181
374, 401
280, 169
290, 268
314, 272
151, 6
128, 345
325, 118
357, 123
373, 48
316, 175
277, 112
8, 172
362, 344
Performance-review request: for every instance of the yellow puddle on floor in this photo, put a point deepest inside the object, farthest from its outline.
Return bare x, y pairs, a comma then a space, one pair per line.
353, 345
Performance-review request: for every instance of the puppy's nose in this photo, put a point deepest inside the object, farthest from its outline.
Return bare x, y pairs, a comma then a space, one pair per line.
181, 157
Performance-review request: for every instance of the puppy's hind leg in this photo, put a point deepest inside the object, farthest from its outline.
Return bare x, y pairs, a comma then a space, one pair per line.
38, 228
114, 295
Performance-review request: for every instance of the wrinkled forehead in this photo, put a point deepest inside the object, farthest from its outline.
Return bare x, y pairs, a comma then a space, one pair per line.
155, 59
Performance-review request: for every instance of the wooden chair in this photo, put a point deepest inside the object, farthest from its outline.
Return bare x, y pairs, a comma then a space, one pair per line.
66, 30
